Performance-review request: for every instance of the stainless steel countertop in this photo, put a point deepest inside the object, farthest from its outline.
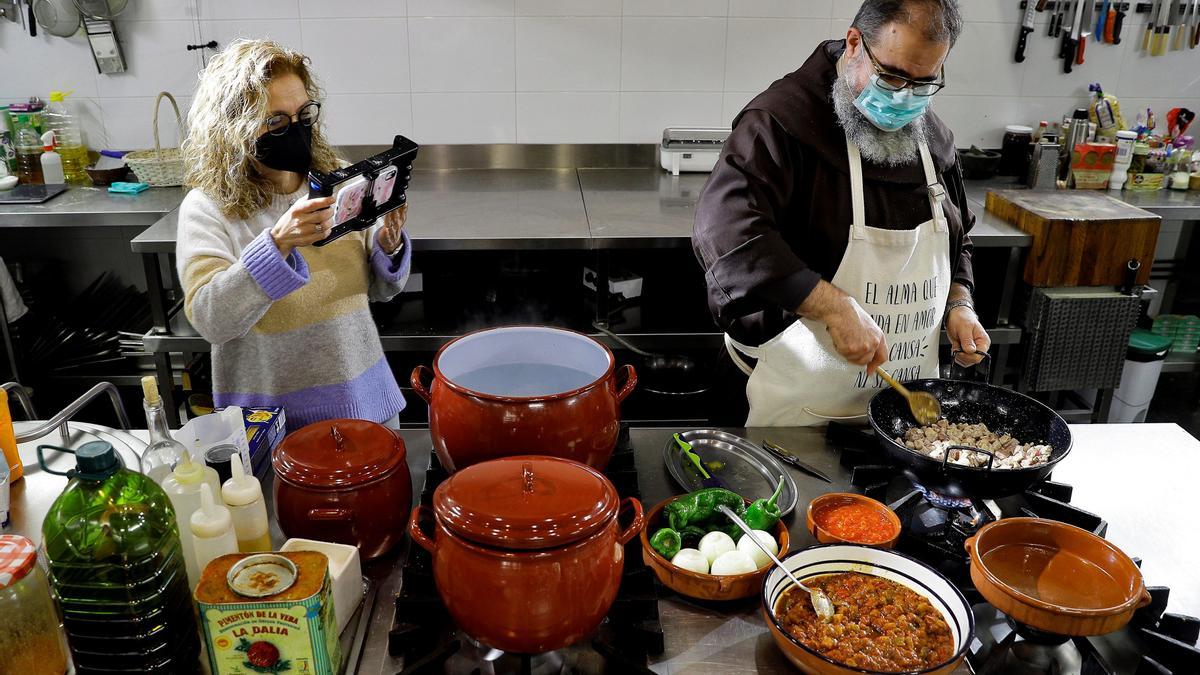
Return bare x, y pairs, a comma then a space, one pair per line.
455, 209
1138, 477
93, 207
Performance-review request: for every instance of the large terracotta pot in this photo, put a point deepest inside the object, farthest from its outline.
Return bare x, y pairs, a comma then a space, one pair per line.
1055, 577
523, 390
344, 481
528, 553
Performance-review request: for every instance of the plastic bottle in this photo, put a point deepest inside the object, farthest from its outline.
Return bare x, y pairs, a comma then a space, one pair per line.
1120, 170
29, 151
212, 529
52, 164
164, 452
59, 118
113, 557
183, 488
243, 495
8, 439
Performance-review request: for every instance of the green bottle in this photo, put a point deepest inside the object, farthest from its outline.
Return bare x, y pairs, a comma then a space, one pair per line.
116, 566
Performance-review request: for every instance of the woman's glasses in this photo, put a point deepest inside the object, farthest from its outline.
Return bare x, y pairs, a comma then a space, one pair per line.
279, 123
893, 82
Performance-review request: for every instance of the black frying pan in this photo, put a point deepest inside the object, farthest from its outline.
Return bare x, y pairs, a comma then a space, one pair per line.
1003, 411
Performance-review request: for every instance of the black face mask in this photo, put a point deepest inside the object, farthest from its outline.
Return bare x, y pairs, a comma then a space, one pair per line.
289, 151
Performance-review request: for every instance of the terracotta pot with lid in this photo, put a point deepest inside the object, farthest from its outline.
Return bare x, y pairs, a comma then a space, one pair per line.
528, 551
343, 481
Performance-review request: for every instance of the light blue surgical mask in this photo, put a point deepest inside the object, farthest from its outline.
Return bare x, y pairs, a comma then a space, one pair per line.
890, 110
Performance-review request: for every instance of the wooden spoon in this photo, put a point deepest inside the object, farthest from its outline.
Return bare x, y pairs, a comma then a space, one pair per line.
925, 408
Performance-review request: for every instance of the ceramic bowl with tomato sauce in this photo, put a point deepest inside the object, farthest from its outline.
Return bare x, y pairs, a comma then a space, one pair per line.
845, 517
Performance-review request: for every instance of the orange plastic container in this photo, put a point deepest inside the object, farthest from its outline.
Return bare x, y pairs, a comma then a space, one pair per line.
8, 441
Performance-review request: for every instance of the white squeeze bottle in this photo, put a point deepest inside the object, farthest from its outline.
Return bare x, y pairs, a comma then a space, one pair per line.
212, 529
52, 166
183, 489
243, 495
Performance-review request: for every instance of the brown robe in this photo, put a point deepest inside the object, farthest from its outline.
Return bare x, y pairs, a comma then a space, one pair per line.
775, 215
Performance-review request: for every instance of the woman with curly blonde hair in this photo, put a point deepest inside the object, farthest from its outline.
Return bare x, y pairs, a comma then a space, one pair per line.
289, 323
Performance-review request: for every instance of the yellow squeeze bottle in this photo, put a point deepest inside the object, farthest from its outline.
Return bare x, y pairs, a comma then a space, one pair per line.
8, 439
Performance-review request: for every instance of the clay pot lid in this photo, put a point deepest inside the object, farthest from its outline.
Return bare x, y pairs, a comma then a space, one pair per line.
337, 454
525, 502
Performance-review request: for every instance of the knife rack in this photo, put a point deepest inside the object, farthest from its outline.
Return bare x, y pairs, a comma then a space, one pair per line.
1139, 8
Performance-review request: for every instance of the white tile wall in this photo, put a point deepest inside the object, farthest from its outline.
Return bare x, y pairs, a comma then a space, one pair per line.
548, 71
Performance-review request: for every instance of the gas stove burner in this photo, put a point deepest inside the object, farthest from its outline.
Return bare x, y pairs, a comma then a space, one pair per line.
476, 658
1003, 646
943, 501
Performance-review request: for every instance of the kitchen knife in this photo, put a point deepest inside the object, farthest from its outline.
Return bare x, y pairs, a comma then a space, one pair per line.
1117, 24
1151, 27
1072, 46
1085, 29
1196, 28
1162, 27
1065, 29
1177, 24
1026, 29
791, 459
1102, 20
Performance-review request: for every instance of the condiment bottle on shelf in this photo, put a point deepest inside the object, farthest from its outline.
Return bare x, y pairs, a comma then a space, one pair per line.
114, 561
52, 166
8, 439
243, 495
30, 641
183, 487
164, 452
212, 529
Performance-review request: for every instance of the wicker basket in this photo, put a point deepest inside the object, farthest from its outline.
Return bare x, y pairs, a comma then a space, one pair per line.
160, 167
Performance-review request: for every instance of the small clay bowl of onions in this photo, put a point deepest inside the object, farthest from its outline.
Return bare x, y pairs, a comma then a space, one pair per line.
716, 567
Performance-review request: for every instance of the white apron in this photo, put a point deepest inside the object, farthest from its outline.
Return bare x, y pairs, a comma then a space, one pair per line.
901, 278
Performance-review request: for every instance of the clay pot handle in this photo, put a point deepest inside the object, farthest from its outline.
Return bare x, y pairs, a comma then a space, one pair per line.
418, 386
635, 526
969, 544
1146, 599
415, 531
331, 514
630, 383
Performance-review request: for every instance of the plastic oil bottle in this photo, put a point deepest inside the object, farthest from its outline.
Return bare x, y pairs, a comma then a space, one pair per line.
243, 495
29, 151
68, 134
183, 488
164, 452
115, 563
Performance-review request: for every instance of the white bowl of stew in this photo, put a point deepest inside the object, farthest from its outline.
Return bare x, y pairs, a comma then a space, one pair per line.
894, 613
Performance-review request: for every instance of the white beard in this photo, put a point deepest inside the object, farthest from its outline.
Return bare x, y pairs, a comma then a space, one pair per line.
891, 149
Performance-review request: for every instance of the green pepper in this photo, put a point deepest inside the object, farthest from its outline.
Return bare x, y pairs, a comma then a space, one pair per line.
666, 541
692, 532
764, 513
700, 506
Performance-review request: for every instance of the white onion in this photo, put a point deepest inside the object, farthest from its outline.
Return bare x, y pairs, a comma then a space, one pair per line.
760, 559
692, 560
713, 544
733, 562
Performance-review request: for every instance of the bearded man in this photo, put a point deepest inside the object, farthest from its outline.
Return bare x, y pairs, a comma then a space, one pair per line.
833, 230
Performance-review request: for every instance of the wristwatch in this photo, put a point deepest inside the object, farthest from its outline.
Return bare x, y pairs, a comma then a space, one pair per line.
955, 304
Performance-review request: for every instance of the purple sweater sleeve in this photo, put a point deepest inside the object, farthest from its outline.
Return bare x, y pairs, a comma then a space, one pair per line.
276, 275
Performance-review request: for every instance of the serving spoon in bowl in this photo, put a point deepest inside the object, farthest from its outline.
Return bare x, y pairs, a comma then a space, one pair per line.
821, 603
925, 408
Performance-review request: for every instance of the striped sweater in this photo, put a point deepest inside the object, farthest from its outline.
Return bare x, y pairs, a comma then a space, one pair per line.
295, 332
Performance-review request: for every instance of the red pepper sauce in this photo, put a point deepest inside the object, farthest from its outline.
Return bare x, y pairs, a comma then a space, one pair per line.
855, 522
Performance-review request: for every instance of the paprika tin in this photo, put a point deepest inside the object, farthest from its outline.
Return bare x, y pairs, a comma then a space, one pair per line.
269, 613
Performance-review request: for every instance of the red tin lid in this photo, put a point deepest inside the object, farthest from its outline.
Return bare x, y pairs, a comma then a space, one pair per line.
526, 502
336, 454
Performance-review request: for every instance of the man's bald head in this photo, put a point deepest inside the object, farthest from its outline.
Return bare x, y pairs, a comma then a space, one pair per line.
937, 20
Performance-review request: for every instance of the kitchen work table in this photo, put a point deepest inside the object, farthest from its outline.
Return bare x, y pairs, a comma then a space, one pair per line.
1139, 477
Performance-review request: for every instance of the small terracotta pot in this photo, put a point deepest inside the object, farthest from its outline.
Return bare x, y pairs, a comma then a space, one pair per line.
470, 426
1050, 554
528, 552
836, 498
704, 586
343, 481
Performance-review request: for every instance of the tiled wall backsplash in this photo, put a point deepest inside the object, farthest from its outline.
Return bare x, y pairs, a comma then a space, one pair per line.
561, 71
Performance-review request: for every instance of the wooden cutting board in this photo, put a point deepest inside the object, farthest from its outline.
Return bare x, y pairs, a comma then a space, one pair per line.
1080, 238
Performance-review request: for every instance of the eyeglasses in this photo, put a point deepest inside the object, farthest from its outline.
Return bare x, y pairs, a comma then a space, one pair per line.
893, 82
279, 123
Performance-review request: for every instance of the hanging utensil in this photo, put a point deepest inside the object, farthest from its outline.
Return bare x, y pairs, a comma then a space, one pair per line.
925, 408
667, 374
59, 18
1162, 27
1151, 27
821, 603
1056, 20
1085, 30
1102, 21
1176, 26
1195, 39
1071, 51
786, 455
1026, 29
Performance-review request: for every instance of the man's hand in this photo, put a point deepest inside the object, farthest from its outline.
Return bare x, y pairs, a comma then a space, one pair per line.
390, 233
856, 336
967, 335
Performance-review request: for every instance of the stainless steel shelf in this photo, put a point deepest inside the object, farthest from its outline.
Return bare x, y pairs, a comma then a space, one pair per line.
1181, 363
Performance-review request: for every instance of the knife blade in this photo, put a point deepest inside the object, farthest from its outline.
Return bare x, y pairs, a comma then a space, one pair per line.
1102, 20
1026, 29
786, 455
1085, 29
1065, 29
1070, 52
1151, 27
1196, 28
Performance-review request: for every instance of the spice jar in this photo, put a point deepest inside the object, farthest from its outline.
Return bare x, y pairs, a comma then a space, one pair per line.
30, 642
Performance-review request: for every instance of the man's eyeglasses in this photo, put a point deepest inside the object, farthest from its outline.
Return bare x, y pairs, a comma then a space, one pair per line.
279, 123
893, 82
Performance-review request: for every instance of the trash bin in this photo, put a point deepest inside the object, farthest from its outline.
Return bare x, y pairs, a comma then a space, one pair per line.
1139, 378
